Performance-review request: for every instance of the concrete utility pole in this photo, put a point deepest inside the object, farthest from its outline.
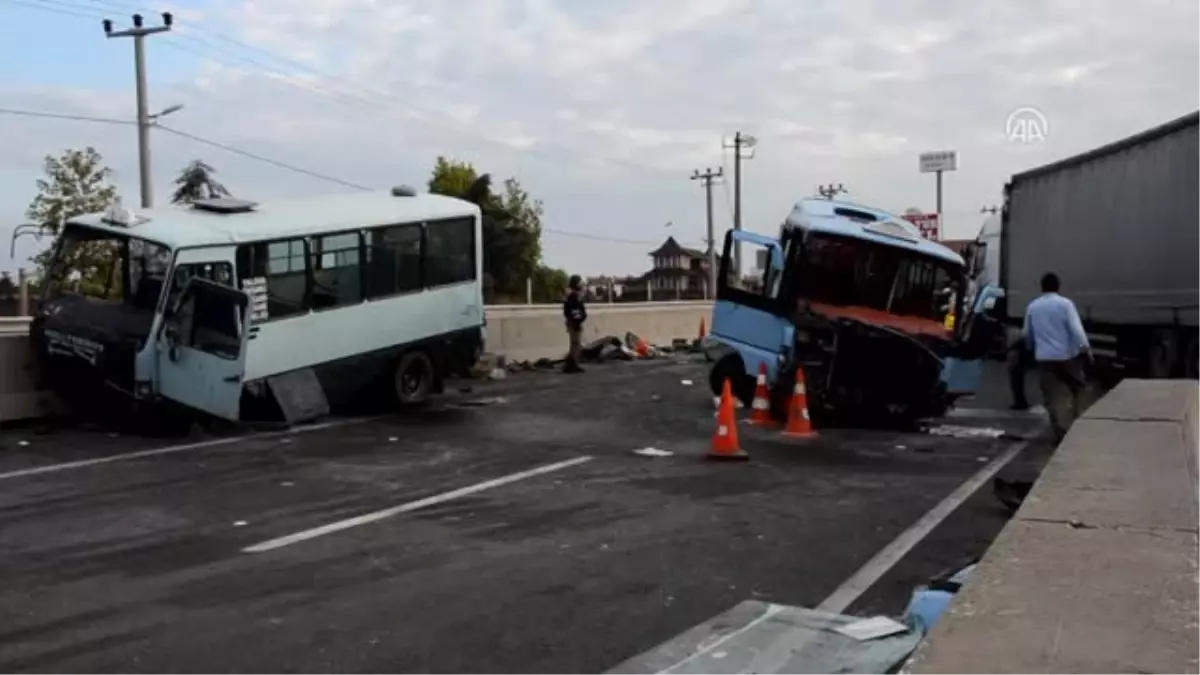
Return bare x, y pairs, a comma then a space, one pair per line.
747, 142
144, 119
830, 191
708, 179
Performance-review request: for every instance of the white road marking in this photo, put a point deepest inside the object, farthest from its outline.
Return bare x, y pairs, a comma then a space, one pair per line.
170, 449
772, 610
774, 658
886, 559
407, 507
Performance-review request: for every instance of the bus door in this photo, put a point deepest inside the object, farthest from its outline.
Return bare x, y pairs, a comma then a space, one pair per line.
747, 315
975, 338
200, 344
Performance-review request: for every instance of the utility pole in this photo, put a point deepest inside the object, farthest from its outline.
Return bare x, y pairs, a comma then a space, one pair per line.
708, 179
830, 191
748, 142
139, 33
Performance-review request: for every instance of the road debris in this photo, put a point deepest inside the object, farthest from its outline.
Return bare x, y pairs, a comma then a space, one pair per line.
653, 452
686, 383
958, 431
872, 628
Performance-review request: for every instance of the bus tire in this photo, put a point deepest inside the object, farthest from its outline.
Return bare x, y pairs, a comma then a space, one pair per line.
730, 367
414, 379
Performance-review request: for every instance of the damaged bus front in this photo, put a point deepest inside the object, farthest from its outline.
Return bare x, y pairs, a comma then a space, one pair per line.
881, 320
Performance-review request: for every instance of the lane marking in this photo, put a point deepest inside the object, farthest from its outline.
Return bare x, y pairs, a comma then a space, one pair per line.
886, 559
775, 656
170, 449
772, 610
376, 516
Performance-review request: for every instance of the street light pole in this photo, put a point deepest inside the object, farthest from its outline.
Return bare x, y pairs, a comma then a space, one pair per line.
740, 141
139, 32
708, 179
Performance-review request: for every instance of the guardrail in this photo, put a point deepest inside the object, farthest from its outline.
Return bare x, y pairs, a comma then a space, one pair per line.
14, 325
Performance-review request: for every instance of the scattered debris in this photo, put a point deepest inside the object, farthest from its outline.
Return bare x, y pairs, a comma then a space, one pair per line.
929, 602
23, 443
653, 452
1011, 493
497, 374
286, 483
958, 431
686, 383
392, 439
479, 402
872, 628
655, 397
901, 447
240, 523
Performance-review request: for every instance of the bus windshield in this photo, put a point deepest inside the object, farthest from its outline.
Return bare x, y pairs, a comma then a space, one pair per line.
849, 272
107, 268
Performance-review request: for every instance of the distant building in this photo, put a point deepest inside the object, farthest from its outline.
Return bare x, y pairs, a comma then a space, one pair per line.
677, 271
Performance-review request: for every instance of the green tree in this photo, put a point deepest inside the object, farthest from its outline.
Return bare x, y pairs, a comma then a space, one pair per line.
74, 184
196, 182
511, 225
549, 284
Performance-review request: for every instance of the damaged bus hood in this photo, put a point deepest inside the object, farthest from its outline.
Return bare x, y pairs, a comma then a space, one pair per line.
74, 334
881, 367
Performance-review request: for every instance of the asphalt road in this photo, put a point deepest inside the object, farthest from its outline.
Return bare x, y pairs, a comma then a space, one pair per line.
140, 564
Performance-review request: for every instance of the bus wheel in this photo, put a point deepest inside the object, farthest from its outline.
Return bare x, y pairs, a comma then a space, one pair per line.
413, 379
730, 367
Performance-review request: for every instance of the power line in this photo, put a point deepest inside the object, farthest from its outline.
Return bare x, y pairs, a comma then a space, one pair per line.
276, 163
266, 160
64, 116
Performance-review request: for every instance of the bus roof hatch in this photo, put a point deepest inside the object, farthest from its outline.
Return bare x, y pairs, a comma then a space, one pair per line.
224, 205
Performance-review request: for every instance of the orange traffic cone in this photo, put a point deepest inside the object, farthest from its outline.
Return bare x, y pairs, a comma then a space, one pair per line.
798, 423
760, 407
725, 439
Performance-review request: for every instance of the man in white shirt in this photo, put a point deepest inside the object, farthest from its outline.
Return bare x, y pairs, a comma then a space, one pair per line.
1054, 334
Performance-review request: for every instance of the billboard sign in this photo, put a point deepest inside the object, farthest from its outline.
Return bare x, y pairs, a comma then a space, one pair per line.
942, 160
927, 223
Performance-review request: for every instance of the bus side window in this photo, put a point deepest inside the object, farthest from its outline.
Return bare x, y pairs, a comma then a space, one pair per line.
393, 260
283, 267
336, 270
449, 251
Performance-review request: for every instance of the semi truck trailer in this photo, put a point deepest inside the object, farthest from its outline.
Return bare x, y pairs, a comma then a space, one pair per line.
1119, 226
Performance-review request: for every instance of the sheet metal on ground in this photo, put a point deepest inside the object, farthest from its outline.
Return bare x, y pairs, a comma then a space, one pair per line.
136, 566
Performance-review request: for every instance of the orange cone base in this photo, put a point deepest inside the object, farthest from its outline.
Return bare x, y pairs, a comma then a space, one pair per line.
799, 434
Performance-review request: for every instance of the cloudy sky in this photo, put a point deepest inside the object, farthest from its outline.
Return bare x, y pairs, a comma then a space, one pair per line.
601, 109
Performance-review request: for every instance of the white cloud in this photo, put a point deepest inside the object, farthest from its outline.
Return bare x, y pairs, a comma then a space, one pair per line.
604, 109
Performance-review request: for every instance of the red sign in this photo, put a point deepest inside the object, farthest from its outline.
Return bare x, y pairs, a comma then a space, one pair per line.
927, 223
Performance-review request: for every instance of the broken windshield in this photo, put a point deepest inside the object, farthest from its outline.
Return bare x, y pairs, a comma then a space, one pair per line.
851, 272
106, 267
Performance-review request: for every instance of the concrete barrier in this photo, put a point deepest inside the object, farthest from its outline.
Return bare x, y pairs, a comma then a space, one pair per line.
519, 332
529, 332
1097, 571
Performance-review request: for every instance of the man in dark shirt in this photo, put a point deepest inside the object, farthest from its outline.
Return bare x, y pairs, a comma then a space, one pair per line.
575, 313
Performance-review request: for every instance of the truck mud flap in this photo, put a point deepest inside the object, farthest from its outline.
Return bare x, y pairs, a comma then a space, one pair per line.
299, 395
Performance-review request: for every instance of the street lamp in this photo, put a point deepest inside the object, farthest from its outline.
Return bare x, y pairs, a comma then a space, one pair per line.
31, 229
164, 112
